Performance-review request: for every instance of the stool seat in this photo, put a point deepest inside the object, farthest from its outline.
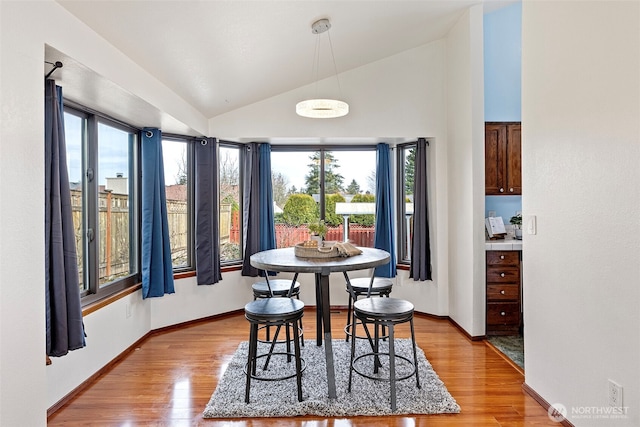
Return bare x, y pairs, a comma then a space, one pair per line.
279, 287
273, 309
384, 308
380, 285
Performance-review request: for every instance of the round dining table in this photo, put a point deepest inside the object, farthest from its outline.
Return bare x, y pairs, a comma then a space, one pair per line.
285, 260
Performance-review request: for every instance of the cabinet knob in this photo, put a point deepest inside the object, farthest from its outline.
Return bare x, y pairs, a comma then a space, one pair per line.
511, 190
502, 292
502, 190
501, 256
502, 313
501, 274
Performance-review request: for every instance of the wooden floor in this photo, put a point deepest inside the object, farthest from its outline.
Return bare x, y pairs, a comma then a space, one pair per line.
169, 379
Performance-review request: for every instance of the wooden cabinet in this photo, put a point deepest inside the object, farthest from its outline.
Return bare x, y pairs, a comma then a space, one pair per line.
503, 293
502, 159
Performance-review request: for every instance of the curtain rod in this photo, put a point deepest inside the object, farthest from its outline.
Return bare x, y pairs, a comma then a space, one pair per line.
56, 65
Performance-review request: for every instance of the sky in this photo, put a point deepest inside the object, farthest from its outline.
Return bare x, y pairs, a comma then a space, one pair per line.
356, 165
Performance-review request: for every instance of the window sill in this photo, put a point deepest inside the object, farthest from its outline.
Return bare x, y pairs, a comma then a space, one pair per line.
95, 306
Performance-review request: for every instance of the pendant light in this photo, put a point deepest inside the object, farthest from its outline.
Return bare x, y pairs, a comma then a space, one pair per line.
322, 108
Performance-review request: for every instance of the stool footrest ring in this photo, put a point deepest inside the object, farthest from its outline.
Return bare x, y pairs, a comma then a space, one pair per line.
255, 377
372, 354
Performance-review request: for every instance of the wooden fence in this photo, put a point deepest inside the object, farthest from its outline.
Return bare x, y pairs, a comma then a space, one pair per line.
114, 233
287, 236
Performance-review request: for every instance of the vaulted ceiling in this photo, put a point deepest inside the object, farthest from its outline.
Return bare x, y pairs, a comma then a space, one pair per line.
222, 55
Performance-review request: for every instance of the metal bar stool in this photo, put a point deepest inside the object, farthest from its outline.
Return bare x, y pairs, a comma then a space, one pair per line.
374, 286
386, 312
278, 288
276, 312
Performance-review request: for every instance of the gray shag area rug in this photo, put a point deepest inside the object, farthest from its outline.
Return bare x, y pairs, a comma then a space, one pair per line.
510, 346
367, 397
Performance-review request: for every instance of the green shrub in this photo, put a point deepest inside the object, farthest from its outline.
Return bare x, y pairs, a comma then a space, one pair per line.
299, 209
331, 218
366, 220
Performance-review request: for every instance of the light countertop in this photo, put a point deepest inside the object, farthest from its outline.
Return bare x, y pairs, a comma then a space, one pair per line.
503, 245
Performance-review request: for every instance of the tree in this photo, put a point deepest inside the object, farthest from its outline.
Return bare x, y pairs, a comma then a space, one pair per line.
409, 171
353, 188
371, 182
279, 183
332, 180
299, 209
229, 177
181, 175
229, 174
366, 219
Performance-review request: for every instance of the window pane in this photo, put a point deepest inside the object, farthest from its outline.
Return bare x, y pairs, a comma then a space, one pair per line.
350, 182
74, 135
230, 218
295, 178
174, 156
406, 169
114, 217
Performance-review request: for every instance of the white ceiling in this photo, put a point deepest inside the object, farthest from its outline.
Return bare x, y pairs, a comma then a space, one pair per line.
222, 55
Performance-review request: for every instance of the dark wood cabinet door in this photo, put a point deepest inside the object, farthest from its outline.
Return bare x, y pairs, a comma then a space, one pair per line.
513, 182
502, 159
494, 167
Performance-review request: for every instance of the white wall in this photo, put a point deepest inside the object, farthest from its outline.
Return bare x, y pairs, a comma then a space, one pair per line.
398, 96
466, 172
28, 388
581, 176
22, 321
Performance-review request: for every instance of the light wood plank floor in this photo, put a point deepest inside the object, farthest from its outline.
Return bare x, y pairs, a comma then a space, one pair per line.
169, 379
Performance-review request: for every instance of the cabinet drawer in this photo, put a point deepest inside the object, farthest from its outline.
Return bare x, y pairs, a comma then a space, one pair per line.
503, 258
503, 292
503, 275
507, 313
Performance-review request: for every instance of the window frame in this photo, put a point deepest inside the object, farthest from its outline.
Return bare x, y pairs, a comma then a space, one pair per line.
322, 149
191, 261
403, 235
241, 174
91, 120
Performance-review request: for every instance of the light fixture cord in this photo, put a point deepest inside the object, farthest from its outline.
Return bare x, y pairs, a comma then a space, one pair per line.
316, 65
335, 68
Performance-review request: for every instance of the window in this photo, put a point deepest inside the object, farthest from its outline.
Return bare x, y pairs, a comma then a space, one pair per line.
74, 135
320, 184
102, 158
230, 203
406, 163
177, 178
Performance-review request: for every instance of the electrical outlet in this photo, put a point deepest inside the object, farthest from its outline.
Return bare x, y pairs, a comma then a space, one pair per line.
615, 395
